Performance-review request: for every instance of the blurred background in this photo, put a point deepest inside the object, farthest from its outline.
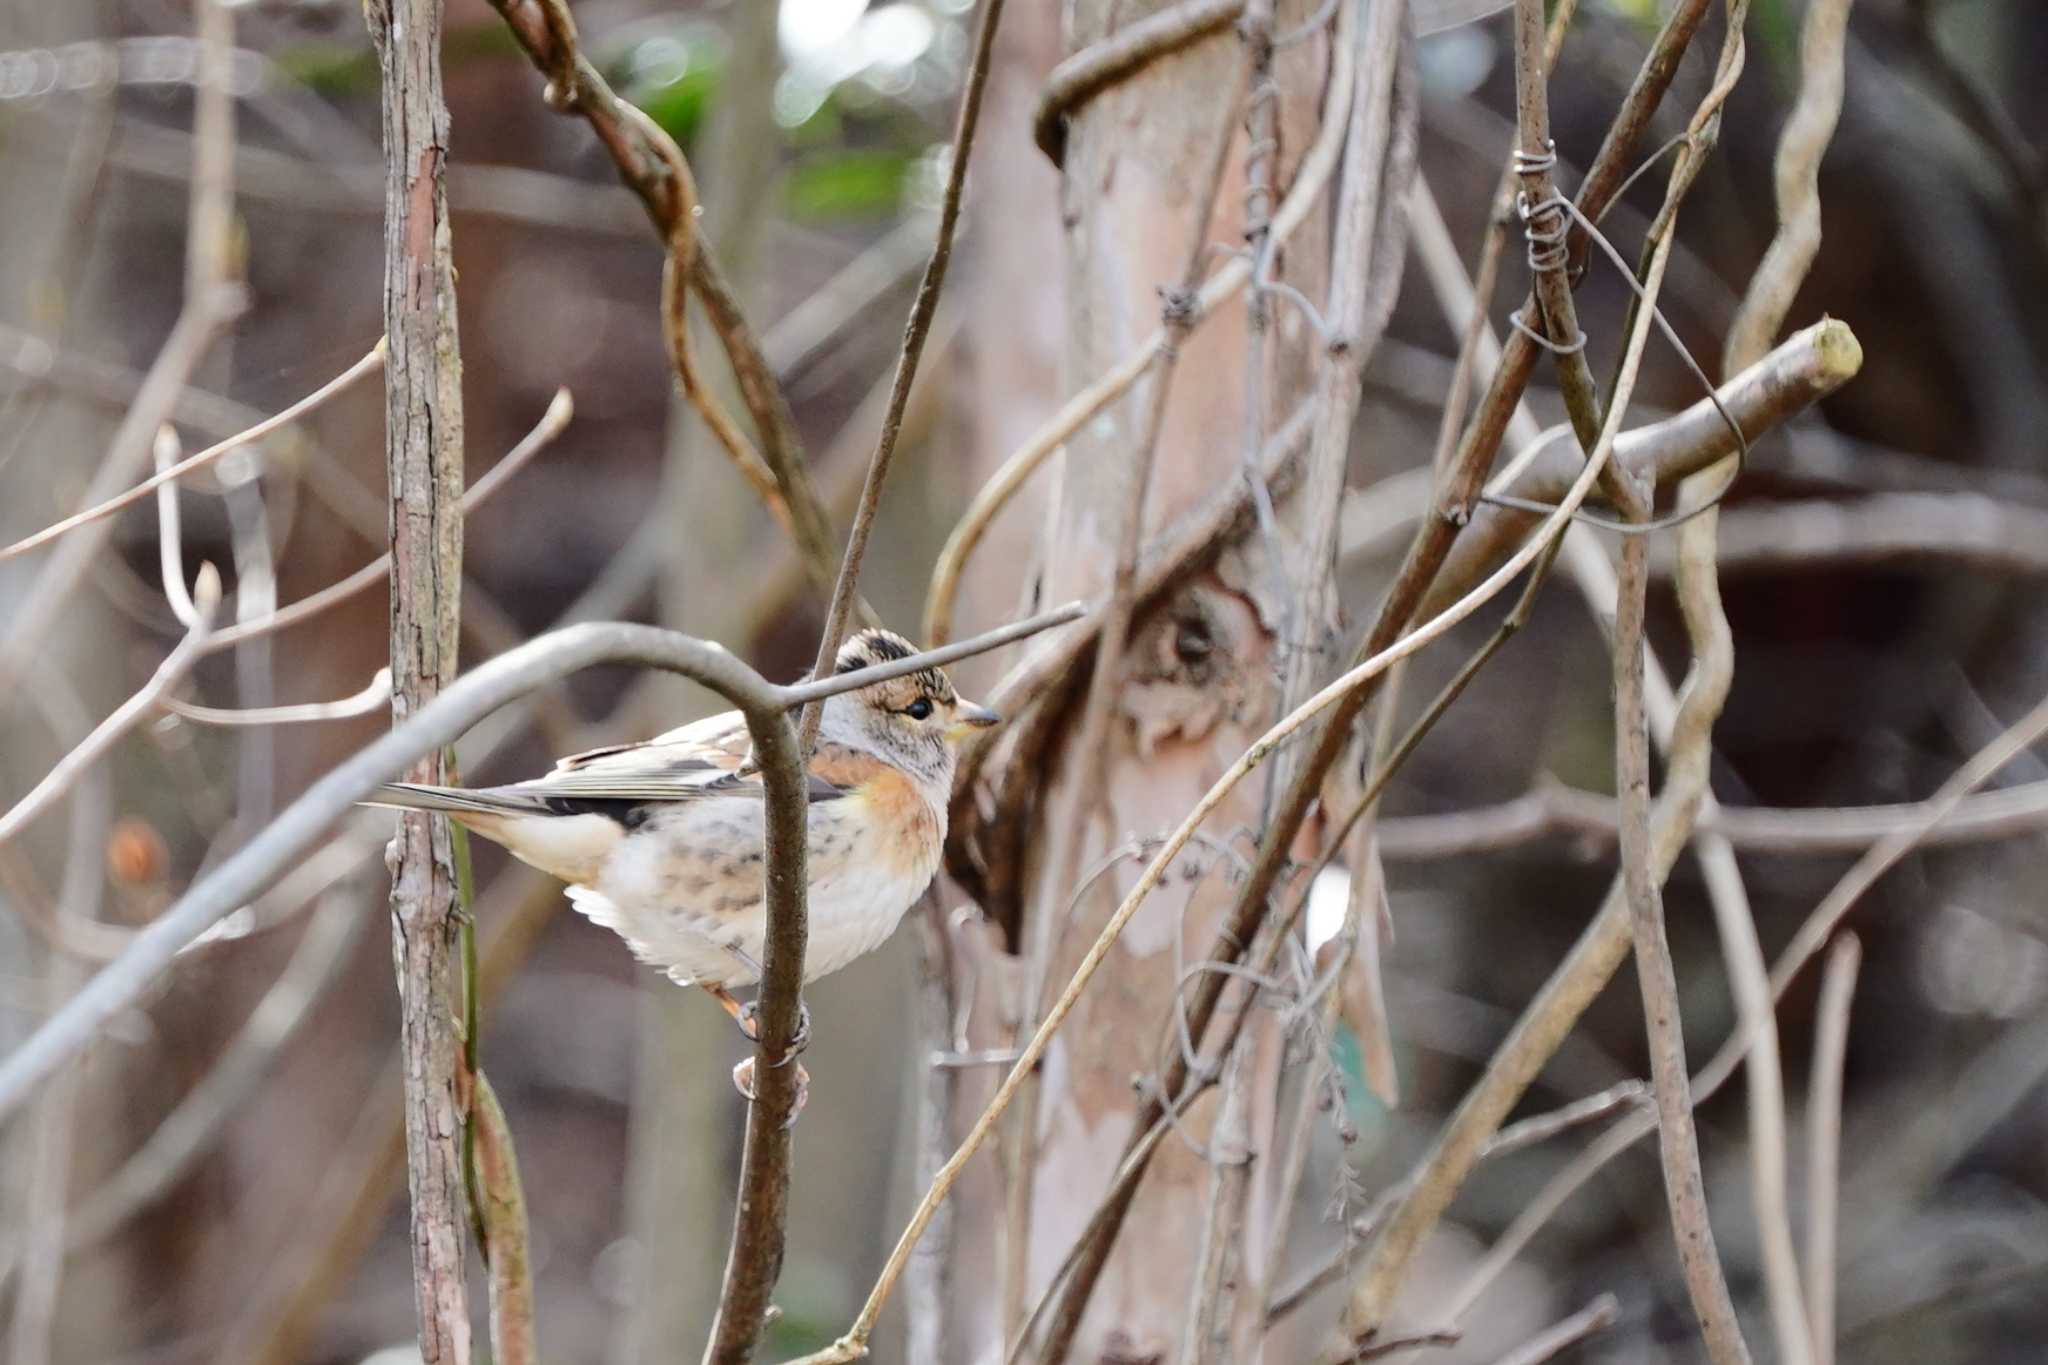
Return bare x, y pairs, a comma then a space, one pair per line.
226, 1174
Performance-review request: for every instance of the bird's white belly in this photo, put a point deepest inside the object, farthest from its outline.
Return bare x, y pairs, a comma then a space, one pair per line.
712, 931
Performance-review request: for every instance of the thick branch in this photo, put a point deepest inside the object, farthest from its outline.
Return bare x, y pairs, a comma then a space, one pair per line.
423, 463
1805, 368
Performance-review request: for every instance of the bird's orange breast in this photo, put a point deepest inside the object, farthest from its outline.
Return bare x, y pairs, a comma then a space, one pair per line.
907, 828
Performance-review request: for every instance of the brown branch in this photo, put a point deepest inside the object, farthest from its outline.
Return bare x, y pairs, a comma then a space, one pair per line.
1806, 367
1763, 309
1698, 1258
1544, 223
423, 462
1405, 1341
507, 1253
1563, 998
651, 165
922, 310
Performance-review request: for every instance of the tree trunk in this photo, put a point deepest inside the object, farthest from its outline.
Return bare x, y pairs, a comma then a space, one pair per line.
1199, 675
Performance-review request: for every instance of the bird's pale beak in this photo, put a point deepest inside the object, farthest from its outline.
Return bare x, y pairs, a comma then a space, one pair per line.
967, 718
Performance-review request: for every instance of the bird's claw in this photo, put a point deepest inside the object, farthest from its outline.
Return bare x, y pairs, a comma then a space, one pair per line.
743, 1081
802, 1037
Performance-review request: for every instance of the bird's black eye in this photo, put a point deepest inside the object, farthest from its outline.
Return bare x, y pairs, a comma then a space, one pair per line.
921, 709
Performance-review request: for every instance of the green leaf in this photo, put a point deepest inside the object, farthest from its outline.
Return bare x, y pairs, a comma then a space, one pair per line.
857, 183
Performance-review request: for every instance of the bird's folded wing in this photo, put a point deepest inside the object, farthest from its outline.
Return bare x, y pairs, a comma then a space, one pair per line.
661, 772
720, 739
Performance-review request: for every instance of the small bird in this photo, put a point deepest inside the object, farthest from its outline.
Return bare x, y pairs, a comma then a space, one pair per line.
662, 841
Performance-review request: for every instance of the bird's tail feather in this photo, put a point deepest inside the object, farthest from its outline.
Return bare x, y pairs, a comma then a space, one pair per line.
452, 800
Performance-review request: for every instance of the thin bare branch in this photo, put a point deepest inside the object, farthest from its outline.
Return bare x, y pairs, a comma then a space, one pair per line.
1805, 368
557, 416
1553, 811
922, 311
1824, 1139
1563, 998
1678, 1143
653, 167
284, 417
1765, 305
125, 718
832, 684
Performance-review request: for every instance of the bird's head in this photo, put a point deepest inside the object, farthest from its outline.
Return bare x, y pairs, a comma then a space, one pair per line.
915, 721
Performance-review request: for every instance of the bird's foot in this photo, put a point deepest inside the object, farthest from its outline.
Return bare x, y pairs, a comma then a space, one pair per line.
743, 1081
748, 1017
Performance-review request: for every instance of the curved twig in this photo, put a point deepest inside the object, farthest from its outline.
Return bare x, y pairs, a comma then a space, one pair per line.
1117, 58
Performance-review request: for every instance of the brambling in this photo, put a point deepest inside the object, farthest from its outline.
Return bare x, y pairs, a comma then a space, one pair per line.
662, 841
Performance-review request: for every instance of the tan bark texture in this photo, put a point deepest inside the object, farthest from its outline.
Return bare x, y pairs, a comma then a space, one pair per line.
423, 460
